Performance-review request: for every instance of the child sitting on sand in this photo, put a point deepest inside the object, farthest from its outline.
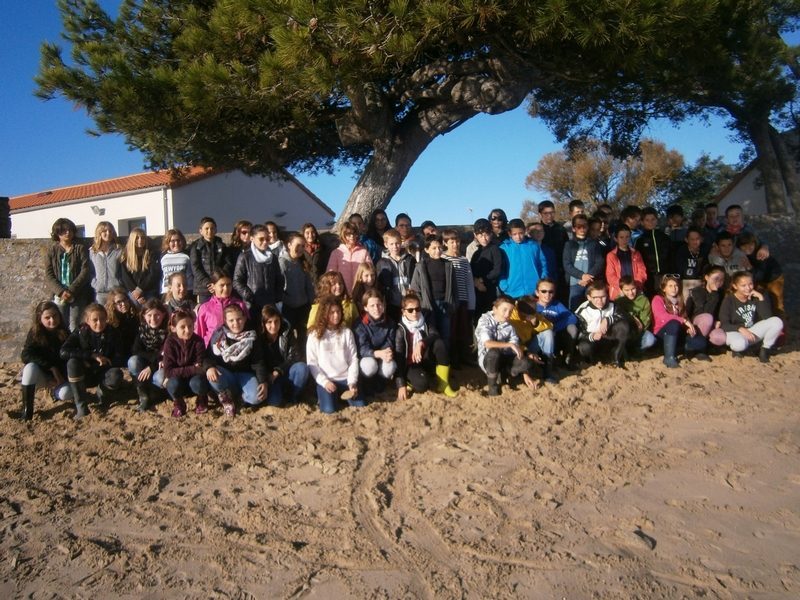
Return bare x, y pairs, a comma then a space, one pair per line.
43, 364
234, 362
602, 325
94, 358
332, 357
746, 317
145, 364
672, 324
184, 352
636, 305
499, 349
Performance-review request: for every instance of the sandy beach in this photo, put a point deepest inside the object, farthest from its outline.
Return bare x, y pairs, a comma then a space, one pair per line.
643, 483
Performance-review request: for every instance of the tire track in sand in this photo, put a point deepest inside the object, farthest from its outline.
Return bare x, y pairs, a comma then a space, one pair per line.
405, 538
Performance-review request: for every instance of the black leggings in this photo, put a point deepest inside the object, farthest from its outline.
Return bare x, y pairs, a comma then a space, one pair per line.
418, 374
93, 374
615, 338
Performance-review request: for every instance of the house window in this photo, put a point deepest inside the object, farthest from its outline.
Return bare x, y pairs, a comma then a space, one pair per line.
128, 225
80, 231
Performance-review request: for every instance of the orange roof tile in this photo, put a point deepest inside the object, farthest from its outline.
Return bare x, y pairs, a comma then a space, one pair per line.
106, 187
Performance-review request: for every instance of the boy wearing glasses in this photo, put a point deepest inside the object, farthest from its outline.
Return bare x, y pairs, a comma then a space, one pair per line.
565, 323
601, 326
582, 260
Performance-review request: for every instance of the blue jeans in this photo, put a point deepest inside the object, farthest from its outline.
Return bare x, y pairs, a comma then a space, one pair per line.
648, 340
244, 382
544, 342
327, 401
137, 364
292, 382
181, 386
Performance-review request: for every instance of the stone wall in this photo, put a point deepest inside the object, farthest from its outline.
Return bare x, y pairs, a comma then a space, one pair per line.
22, 276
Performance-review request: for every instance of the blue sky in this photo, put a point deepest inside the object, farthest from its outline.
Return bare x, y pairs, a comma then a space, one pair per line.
459, 178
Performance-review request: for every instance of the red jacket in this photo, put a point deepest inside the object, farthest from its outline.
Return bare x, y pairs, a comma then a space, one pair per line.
613, 272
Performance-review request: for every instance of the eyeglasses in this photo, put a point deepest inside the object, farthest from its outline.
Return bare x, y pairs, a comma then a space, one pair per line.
415, 309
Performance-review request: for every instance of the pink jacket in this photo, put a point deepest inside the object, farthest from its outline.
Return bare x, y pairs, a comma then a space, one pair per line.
346, 262
209, 315
613, 272
660, 315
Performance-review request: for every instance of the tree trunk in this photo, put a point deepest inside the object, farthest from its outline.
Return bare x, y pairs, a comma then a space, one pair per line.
384, 173
788, 168
768, 165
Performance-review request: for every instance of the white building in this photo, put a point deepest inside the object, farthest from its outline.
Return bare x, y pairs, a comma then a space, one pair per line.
158, 201
746, 190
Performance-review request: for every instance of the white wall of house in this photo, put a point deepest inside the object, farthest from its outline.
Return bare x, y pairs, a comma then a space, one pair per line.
750, 197
120, 210
230, 197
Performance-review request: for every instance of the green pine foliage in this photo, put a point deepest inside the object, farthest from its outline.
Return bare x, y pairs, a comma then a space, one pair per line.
266, 84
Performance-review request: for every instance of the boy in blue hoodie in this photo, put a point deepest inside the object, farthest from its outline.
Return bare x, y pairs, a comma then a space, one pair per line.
524, 262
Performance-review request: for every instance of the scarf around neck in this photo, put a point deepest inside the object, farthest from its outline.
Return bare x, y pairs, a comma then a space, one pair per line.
416, 328
261, 257
234, 347
153, 339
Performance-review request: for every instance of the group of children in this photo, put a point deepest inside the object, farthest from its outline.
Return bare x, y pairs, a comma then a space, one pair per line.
250, 321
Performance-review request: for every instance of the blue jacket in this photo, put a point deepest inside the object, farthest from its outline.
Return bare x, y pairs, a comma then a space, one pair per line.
374, 335
558, 314
524, 265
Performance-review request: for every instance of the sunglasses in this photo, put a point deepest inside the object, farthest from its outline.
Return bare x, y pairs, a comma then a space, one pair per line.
547, 291
496, 219
416, 309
